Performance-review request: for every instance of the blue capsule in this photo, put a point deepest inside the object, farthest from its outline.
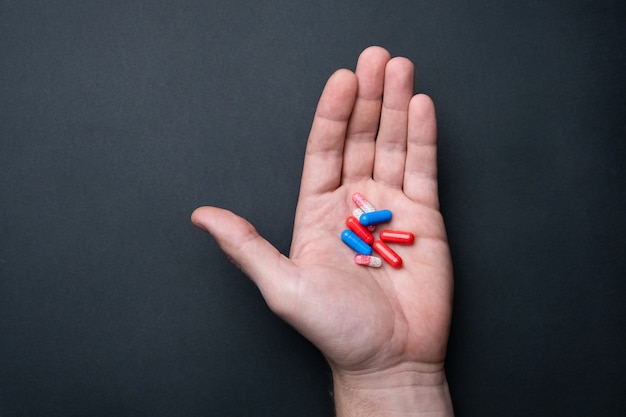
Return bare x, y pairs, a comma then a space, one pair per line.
356, 243
375, 217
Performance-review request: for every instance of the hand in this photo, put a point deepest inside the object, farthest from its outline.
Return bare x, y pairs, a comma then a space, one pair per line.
383, 330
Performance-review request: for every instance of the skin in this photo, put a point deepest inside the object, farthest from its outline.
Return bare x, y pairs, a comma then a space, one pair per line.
384, 331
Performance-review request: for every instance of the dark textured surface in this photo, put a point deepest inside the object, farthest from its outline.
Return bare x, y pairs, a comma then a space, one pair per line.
118, 118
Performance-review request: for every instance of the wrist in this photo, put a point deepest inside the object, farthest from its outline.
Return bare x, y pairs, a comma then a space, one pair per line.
407, 389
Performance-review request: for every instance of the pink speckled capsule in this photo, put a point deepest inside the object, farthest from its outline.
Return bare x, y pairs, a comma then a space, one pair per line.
358, 211
367, 260
362, 203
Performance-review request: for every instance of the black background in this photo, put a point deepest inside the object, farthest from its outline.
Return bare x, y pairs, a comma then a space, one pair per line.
118, 118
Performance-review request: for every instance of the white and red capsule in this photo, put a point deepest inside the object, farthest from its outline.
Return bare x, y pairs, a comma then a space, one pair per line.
362, 203
368, 260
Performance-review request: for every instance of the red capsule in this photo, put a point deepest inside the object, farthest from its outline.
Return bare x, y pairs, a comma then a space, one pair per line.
387, 254
397, 236
360, 230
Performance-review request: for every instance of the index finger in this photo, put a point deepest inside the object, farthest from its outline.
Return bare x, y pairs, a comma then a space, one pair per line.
323, 159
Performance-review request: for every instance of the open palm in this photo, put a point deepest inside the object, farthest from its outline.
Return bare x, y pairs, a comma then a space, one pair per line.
372, 135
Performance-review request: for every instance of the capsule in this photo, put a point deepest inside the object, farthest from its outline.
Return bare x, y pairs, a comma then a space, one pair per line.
360, 230
375, 217
357, 213
397, 236
367, 260
362, 203
356, 243
387, 254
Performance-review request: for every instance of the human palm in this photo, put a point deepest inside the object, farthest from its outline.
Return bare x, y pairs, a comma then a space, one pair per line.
370, 318
372, 135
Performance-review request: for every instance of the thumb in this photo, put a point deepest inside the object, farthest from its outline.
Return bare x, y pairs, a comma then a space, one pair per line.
257, 258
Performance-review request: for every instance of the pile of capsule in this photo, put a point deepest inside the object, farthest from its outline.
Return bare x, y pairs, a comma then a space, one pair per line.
359, 235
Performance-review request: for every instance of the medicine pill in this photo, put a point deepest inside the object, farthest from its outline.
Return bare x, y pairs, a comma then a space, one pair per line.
387, 254
367, 260
396, 236
360, 230
356, 243
357, 213
362, 203
375, 217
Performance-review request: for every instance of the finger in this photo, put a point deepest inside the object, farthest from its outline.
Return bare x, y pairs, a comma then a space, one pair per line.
391, 140
324, 151
420, 176
358, 160
258, 259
